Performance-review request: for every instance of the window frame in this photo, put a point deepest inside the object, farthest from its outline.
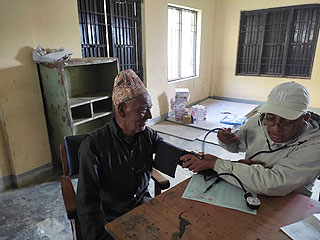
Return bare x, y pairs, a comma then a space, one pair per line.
195, 48
115, 30
285, 68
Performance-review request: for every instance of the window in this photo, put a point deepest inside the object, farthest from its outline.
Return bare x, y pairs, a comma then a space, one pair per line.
278, 41
112, 28
182, 43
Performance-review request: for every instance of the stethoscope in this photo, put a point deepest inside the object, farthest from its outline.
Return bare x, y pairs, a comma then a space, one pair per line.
252, 202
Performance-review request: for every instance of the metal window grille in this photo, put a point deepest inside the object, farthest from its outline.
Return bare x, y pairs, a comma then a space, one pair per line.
112, 28
182, 40
279, 41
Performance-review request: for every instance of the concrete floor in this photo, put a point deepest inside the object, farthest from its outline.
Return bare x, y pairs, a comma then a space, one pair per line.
37, 211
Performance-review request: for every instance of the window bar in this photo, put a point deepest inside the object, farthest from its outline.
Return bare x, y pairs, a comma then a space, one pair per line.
315, 35
306, 43
249, 44
129, 10
117, 36
86, 26
120, 27
84, 29
134, 63
273, 45
254, 40
113, 30
106, 32
136, 37
128, 20
287, 43
247, 34
180, 47
302, 43
82, 33
242, 40
252, 49
246, 61
96, 31
272, 41
124, 27
301, 30
117, 29
89, 27
101, 40
195, 30
125, 44
296, 43
279, 42
264, 21
254, 43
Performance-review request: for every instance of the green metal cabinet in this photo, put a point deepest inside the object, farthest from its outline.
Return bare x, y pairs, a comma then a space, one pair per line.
77, 97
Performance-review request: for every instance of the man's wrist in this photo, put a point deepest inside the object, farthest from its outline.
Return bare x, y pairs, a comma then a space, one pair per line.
213, 162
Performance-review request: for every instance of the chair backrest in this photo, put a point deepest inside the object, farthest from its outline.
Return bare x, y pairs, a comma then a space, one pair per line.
72, 144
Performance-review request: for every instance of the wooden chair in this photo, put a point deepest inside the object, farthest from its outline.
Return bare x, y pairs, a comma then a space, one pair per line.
70, 166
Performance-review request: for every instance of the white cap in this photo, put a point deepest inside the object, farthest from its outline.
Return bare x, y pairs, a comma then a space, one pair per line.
288, 100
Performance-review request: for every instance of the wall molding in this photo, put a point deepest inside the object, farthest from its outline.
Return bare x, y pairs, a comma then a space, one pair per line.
23, 179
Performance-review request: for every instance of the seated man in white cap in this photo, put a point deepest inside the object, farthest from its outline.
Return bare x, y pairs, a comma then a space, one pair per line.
116, 160
282, 138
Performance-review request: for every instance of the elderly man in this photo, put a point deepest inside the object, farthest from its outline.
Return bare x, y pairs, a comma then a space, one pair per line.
116, 160
282, 146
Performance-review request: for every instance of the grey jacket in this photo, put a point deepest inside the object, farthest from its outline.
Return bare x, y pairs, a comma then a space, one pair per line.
292, 168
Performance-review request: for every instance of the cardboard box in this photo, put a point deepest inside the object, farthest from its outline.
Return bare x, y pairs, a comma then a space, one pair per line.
186, 119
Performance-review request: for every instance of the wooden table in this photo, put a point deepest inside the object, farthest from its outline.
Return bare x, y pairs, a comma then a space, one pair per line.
168, 216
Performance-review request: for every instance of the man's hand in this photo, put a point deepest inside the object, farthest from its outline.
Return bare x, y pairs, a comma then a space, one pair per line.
227, 137
195, 164
249, 162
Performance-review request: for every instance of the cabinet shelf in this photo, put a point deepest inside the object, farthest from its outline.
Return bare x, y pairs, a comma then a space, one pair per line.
88, 98
79, 121
77, 97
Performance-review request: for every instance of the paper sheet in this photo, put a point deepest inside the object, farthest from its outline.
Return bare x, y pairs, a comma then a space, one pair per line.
221, 194
308, 228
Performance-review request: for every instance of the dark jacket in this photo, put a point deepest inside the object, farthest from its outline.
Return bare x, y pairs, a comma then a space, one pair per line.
114, 175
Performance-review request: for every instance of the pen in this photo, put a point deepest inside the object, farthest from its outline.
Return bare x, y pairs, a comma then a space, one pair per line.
211, 185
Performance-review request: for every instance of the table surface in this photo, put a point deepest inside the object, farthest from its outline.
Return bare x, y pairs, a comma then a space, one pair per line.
168, 216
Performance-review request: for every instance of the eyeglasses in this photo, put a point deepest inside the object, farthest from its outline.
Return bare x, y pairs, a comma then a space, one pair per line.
286, 125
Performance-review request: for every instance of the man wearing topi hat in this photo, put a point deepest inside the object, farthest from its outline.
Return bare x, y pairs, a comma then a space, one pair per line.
281, 142
116, 160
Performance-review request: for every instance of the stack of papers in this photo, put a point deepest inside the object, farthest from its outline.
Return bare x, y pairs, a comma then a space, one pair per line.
233, 119
308, 228
181, 98
199, 113
221, 194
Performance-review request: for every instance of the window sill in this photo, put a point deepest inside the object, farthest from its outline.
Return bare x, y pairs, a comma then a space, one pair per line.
182, 79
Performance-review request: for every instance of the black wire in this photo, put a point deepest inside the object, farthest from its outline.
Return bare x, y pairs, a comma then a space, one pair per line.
271, 151
220, 174
239, 181
205, 136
